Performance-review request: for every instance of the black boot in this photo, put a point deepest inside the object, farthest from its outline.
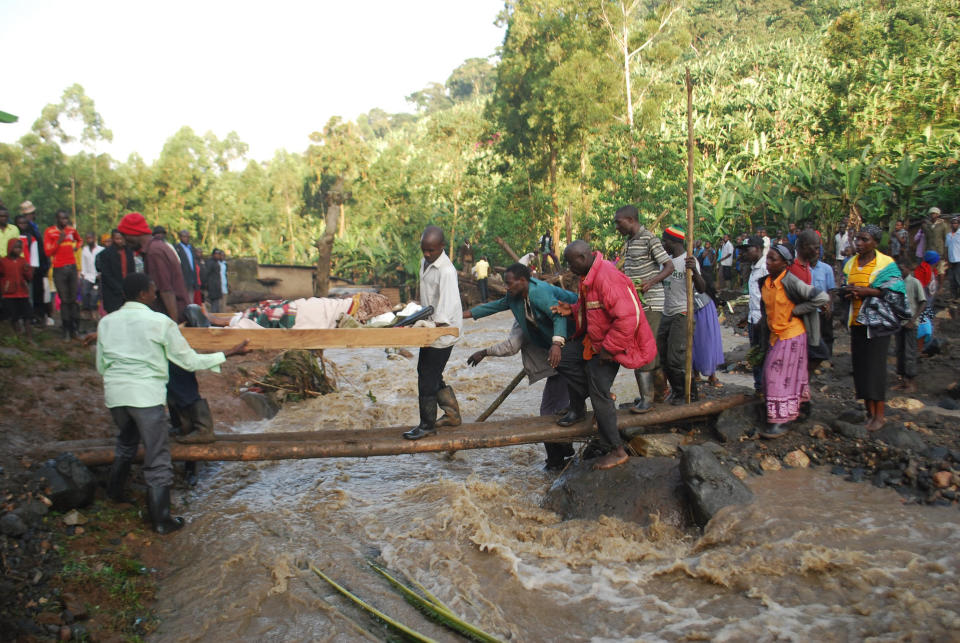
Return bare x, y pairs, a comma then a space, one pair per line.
428, 419
202, 422
158, 505
190, 473
645, 385
576, 414
451, 410
117, 484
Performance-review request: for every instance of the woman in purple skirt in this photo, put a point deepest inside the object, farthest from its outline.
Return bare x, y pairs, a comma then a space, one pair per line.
789, 313
707, 342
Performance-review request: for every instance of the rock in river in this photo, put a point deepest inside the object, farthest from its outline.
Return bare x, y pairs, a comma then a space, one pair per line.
635, 492
709, 484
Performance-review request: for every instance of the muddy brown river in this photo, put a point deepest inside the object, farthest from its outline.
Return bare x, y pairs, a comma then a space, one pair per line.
814, 558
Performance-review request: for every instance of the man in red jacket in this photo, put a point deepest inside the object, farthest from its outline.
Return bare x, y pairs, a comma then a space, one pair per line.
61, 242
611, 331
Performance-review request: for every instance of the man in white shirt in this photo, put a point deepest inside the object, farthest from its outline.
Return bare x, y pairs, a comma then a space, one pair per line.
953, 255
439, 287
726, 262
89, 288
755, 257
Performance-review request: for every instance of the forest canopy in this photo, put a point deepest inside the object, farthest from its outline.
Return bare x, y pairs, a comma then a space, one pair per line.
804, 110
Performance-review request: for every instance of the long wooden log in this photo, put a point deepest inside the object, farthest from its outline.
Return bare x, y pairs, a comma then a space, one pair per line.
351, 443
506, 248
219, 339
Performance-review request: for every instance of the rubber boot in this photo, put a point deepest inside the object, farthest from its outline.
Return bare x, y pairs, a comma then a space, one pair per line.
646, 386
202, 422
447, 401
190, 473
660, 385
158, 506
117, 483
428, 420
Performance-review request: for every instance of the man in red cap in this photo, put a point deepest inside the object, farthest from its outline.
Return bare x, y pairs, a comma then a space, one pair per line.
188, 410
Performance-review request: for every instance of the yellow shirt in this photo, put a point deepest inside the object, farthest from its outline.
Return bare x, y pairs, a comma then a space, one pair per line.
481, 269
859, 276
783, 325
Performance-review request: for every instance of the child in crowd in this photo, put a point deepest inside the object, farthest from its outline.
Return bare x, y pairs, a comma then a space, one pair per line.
926, 274
906, 337
15, 278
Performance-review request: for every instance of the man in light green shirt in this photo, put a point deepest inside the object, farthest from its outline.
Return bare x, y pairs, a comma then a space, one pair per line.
134, 345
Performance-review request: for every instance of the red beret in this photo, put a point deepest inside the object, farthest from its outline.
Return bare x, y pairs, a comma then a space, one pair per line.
133, 224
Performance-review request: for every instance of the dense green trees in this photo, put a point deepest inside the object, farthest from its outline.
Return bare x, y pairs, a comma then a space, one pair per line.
810, 109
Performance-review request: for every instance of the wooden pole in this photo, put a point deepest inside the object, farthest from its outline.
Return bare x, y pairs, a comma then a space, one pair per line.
503, 395
352, 443
688, 375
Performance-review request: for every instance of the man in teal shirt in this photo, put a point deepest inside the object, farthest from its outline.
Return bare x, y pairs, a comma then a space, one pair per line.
134, 346
543, 333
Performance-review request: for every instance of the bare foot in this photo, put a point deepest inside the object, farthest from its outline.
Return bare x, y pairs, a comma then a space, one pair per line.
715, 382
875, 424
612, 459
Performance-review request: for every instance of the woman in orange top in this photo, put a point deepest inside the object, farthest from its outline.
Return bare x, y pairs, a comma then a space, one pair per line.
786, 300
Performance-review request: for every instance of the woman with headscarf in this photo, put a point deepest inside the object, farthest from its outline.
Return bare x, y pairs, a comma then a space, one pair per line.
789, 321
877, 308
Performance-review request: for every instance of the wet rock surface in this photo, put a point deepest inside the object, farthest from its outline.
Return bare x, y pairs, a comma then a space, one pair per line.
70, 483
636, 491
710, 485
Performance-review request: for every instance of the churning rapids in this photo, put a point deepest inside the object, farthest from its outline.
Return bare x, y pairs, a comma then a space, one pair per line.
813, 558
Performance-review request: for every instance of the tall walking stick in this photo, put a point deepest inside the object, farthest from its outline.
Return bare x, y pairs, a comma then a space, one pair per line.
688, 374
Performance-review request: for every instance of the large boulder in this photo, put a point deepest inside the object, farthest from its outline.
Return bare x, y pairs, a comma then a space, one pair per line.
636, 491
710, 485
70, 483
731, 424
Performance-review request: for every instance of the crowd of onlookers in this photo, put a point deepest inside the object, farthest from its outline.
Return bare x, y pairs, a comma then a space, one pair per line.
82, 275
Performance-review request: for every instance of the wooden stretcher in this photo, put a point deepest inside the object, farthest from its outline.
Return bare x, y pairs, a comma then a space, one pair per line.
218, 339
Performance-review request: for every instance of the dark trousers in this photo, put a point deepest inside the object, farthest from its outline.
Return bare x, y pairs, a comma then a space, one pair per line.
753, 331
593, 377
150, 425
672, 347
215, 305
39, 306
953, 276
556, 397
906, 342
65, 280
824, 351
182, 387
430, 365
482, 285
707, 272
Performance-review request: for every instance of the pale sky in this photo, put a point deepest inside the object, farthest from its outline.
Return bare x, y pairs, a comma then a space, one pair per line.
272, 71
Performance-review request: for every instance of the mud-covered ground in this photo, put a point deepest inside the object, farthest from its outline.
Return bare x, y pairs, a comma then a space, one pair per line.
918, 450
92, 580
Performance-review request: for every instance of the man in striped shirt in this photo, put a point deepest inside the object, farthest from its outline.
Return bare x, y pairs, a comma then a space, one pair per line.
647, 264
